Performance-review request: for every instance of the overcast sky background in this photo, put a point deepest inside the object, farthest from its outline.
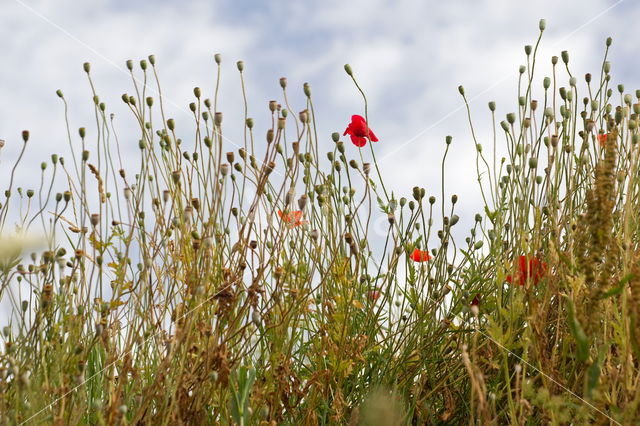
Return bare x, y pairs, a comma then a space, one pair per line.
409, 56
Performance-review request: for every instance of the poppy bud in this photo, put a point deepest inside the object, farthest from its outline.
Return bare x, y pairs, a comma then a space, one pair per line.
302, 201
171, 124
608, 42
353, 164
522, 69
565, 57
546, 82
87, 67
59, 93
307, 90
432, 200
607, 67
416, 193
542, 25
448, 140
348, 69
461, 90
217, 119
152, 59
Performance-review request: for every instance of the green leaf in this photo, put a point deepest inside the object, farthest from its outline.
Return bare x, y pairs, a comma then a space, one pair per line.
578, 333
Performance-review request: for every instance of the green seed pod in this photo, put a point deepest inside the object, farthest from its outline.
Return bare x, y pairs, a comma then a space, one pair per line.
492, 106
533, 162
542, 24
240, 66
87, 67
504, 125
143, 65
554, 60
527, 50
607, 67
565, 56
522, 69
478, 244
461, 90
348, 70
546, 83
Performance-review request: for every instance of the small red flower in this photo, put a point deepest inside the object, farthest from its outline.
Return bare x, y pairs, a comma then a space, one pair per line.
476, 300
359, 131
602, 138
420, 255
532, 269
373, 295
292, 219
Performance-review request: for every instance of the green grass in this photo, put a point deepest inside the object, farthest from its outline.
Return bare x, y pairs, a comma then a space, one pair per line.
176, 293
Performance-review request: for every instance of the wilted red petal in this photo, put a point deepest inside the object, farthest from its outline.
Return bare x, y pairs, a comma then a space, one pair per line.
476, 300
373, 295
602, 138
292, 219
420, 255
529, 269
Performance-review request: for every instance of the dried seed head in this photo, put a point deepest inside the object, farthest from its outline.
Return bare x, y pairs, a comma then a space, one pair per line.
95, 219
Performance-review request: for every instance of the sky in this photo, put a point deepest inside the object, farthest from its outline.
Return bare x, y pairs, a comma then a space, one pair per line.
409, 57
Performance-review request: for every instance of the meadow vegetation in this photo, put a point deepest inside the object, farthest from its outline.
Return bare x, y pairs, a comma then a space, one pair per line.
243, 283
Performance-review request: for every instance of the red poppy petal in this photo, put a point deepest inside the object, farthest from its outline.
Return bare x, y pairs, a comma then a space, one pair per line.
372, 136
358, 141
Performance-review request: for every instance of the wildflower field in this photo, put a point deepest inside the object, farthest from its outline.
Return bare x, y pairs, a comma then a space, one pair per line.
224, 283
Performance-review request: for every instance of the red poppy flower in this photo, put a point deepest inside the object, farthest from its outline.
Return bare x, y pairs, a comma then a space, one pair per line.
602, 138
532, 269
359, 131
476, 300
420, 255
373, 295
292, 219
